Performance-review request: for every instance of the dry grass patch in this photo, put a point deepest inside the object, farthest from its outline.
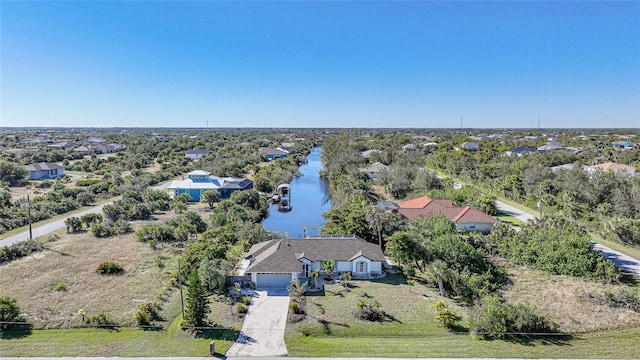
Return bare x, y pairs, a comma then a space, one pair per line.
72, 260
565, 300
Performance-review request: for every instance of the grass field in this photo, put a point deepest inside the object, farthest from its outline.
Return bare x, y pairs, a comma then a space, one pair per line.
58, 329
330, 329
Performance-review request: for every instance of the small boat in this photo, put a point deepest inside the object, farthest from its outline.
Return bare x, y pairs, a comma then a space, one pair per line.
283, 191
284, 205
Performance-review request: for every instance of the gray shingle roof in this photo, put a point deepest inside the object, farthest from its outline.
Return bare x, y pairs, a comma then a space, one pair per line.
44, 166
282, 255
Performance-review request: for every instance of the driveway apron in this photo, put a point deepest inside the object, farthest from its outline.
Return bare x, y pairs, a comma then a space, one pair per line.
263, 329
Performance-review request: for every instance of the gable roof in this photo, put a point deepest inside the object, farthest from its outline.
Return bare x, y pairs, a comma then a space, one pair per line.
614, 167
374, 168
44, 166
276, 151
197, 152
283, 255
424, 207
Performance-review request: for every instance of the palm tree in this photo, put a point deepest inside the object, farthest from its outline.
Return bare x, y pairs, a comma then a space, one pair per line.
439, 270
314, 275
375, 218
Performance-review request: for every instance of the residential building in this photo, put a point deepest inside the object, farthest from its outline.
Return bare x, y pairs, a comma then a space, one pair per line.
374, 169
44, 171
196, 154
276, 263
199, 181
465, 218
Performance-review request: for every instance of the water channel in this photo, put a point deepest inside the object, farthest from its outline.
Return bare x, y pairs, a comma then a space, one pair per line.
309, 199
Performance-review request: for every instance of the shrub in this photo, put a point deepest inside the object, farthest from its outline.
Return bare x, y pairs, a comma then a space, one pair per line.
90, 219
108, 268
60, 287
73, 225
296, 308
241, 308
101, 320
99, 230
445, 316
9, 309
147, 313
624, 299
246, 300
365, 310
21, 249
494, 319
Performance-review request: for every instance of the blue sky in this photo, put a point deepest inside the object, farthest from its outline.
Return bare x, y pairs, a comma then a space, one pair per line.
320, 64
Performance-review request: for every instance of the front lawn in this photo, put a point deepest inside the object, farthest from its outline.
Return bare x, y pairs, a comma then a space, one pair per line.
331, 330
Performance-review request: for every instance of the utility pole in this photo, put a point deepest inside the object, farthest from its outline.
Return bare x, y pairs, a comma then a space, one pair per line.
180, 283
29, 212
540, 203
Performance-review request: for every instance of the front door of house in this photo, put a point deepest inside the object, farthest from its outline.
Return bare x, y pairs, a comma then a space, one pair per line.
361, 267
305, 270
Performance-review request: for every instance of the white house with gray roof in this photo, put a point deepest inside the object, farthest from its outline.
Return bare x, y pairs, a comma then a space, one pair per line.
44, 171
276, 263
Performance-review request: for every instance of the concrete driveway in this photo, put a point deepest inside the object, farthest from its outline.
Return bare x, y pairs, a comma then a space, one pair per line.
262, 333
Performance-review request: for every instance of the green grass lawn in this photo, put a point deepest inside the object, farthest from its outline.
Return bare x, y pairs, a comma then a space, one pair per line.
331, 330
511, 220
128, 341
119, 342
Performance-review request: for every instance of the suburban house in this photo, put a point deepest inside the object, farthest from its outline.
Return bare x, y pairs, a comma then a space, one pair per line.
196, 154
521, 150
199, 181
276, 263
277, 153
627, 145
43, 171
368, 153
470, 146
386, 205
465, 218
373, 170
551, 146
409, 147
617, 169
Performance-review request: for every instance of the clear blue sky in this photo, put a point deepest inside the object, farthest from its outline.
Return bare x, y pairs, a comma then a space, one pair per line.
318, 64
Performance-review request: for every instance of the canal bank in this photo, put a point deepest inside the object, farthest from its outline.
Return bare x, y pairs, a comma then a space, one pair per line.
309, 200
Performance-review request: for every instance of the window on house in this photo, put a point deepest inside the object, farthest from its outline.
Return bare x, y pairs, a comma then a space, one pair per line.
362, 266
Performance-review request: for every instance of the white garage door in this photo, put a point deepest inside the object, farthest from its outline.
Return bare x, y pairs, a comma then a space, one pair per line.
273, 280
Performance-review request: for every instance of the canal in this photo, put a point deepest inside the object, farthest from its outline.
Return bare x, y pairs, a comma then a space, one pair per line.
309, 199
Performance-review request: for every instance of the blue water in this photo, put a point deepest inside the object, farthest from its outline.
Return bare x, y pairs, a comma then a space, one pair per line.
309, 200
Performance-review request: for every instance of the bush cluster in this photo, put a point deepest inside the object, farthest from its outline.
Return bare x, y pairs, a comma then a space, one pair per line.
110, 228
148, 312
21, 249
370, 311
625, 299
563, 251
496, 319
176, 229
109, 268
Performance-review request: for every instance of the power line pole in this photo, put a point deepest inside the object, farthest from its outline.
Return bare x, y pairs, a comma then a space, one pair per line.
180, 283
29, 212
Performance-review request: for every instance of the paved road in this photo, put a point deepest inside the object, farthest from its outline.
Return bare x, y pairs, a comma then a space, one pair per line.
262, 332
620, 260
46, 228
59, 224
511, 211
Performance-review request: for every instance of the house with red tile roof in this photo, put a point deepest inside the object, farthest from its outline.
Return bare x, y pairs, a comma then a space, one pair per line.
465, 218
614, 167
